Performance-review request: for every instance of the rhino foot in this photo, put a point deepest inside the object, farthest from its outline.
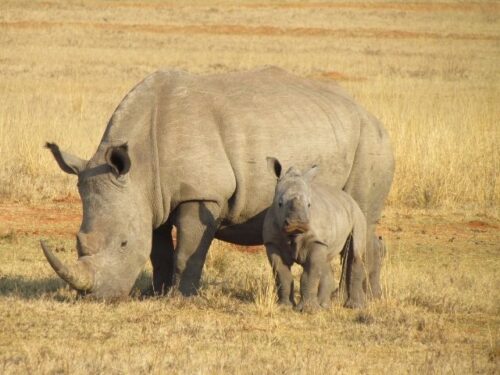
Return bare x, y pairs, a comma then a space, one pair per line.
325, 305
352, 303
285, 304
308, 307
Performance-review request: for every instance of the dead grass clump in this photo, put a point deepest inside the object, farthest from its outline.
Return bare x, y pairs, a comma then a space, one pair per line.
264, 294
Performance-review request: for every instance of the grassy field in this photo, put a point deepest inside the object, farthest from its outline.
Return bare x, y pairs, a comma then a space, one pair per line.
440, 313
428, 70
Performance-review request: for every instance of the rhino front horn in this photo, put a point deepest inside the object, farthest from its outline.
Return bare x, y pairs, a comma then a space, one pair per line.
78, 276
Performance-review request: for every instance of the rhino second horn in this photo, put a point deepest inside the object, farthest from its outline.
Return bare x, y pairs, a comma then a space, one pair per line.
78, 276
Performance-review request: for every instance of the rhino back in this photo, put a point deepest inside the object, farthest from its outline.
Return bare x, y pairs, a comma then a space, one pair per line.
218, 131
210, 135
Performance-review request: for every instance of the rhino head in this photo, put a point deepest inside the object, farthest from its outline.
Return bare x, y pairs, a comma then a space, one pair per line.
114, 239
292, 198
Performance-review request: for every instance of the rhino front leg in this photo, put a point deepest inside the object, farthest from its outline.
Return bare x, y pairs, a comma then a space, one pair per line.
283, 275
310, 279
162, 259
196, 224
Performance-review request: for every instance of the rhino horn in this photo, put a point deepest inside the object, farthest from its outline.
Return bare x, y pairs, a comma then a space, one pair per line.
78, 276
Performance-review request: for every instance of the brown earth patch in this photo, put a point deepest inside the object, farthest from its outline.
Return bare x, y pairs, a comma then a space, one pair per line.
66, 199
404, 6
61, 219
243, 30
338, 76
480, 224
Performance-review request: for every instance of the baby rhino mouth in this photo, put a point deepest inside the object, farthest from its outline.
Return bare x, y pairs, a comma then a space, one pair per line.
295, 228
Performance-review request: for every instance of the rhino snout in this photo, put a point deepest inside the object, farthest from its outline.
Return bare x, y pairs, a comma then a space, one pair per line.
295, 227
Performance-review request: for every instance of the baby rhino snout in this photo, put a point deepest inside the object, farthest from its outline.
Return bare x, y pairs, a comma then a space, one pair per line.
292, 227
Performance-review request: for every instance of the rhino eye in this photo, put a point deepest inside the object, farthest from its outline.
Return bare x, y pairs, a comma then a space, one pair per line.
280, 203
124, 244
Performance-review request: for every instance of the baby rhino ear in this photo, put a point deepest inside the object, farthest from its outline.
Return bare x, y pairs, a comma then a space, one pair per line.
311, 173
274, 166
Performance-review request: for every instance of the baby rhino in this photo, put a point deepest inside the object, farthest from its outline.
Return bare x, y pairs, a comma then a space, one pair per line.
309, 224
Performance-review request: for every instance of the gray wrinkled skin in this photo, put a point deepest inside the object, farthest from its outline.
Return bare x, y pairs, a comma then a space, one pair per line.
190, 151
308, 224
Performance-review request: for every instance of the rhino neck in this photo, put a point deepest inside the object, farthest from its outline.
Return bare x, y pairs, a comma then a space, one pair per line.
135, 121
160, 194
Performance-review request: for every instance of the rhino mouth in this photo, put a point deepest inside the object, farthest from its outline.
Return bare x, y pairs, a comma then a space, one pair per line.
294, 229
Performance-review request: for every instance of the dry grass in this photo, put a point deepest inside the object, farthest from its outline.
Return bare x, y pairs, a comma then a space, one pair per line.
440, 313
428, 70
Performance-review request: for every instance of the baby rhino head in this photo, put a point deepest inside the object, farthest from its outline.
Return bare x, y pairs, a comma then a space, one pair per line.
291, 205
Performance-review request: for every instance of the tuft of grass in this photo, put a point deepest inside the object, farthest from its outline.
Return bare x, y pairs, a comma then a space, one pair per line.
264, 294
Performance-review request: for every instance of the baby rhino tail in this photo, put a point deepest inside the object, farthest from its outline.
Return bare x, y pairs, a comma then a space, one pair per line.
358, 234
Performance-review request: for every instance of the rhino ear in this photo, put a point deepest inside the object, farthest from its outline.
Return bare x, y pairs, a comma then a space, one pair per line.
118, 159
67, 162
311, 173
274, 166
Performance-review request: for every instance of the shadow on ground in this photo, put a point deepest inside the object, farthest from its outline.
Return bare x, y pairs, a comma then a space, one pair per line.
52, 287
27, 288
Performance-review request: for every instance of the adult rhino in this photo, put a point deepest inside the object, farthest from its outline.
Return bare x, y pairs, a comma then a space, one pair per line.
190, 151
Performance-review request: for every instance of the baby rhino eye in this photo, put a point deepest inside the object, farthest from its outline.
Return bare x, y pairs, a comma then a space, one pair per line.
123, 244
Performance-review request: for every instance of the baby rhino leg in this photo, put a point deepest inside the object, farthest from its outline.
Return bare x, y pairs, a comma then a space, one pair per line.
310, 280
281, 266
326, 286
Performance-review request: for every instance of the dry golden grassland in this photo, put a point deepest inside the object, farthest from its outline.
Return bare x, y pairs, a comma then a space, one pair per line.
428, 70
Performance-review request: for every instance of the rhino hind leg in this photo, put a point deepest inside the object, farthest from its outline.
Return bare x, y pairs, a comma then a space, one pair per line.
369, 183
162, 259
374, 262
326, 286
355, 279
196, 224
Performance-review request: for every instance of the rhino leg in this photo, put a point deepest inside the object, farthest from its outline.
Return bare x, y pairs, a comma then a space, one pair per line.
283, 275
326, 286
310, 279
369, 183
162, 259
355, 279
196, 224
355, 275
374, 264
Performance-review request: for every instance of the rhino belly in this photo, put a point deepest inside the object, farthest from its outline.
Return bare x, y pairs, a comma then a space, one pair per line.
248, 233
